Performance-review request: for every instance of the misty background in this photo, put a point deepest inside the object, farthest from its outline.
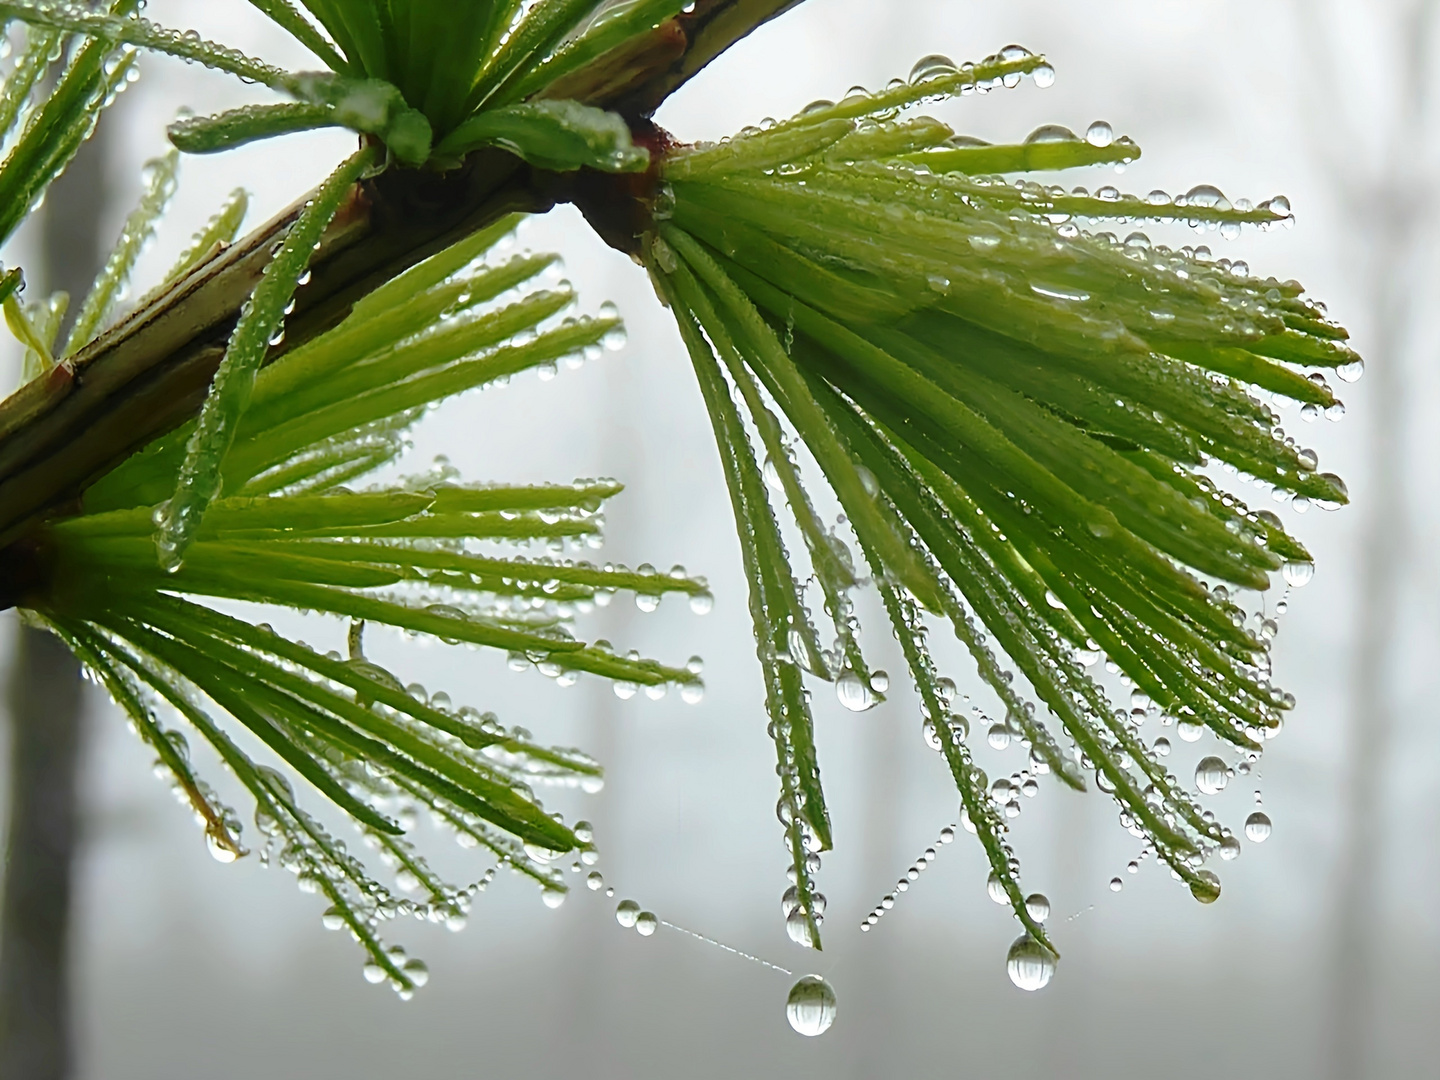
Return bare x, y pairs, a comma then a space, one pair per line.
1322, 956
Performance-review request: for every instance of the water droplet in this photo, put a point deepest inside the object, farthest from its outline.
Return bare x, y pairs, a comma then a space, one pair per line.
1044, 75
1229, 848
374, 974
1190, 729
1278, 205
1352, 371
1037, 905
594, 881
222, 846
932, 67
1051, 133
1298, 574
998, 736
1257, 827
1207, 195
1162, 746
1029, 964
626, 912
853, 693
645, 923
996, 889
880, 682
702, 603
552, 898
811, 1006
1116, 884
1206, 888
797, 925
1211, 775
1100, 133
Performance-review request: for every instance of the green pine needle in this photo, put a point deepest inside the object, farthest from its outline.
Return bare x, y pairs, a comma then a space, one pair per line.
1032, 406
411, 556
262, 318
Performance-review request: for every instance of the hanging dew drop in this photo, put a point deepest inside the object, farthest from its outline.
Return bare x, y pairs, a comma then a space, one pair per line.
626, 913
645, 923
1037, 906
1190, 730
222, 848
797, 925
1298, 574
1257, 827
1206, 887
1352, 371
853, 693
811, 1006
1029, 964
1211, 775
996, 889
552, 898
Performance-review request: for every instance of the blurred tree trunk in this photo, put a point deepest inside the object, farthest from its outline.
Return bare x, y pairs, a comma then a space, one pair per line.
34, 921
45, 707
1387, 198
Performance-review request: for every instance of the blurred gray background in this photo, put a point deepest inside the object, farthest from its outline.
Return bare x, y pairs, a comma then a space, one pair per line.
1321, 957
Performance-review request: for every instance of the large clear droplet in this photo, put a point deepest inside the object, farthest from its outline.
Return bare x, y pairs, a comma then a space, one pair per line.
1051, 133
1190, 730
1037, 906
1211, 775
932, 67
995, 889
1298, 574
811, 1006
1100, 133
853, 693
626, 913
1207, 195
797, 925
1257, 827
645, 923
1029, 964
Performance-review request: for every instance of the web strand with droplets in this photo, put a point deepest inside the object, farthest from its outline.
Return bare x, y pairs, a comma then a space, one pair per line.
728, 948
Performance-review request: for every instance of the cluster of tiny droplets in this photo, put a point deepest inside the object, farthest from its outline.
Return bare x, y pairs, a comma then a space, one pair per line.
1212, 773
928, 856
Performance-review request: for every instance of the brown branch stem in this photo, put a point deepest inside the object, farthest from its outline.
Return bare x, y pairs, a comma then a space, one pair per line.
149, 374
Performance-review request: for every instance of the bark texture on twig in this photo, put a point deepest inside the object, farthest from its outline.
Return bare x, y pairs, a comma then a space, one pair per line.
148, 374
